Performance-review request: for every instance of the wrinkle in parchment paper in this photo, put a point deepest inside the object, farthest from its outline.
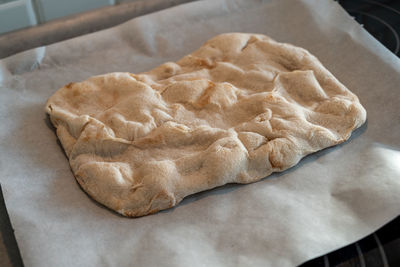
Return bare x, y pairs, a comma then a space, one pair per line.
331, 198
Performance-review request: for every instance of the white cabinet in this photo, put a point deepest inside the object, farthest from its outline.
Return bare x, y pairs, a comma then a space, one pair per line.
53, 9
16, 14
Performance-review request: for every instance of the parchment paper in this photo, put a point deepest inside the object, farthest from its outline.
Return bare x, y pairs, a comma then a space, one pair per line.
328, 200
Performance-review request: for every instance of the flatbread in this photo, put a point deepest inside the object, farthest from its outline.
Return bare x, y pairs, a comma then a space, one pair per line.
234, 111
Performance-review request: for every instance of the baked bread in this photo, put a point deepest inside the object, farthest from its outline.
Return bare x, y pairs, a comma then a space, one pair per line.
234, 111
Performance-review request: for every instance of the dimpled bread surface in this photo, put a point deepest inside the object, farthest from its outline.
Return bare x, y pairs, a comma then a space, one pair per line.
239, 108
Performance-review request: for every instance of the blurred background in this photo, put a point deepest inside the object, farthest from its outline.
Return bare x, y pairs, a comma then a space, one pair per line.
57, 20
26, 24
18, 14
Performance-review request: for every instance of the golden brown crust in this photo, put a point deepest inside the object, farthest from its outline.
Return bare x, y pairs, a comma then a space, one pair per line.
234, 111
